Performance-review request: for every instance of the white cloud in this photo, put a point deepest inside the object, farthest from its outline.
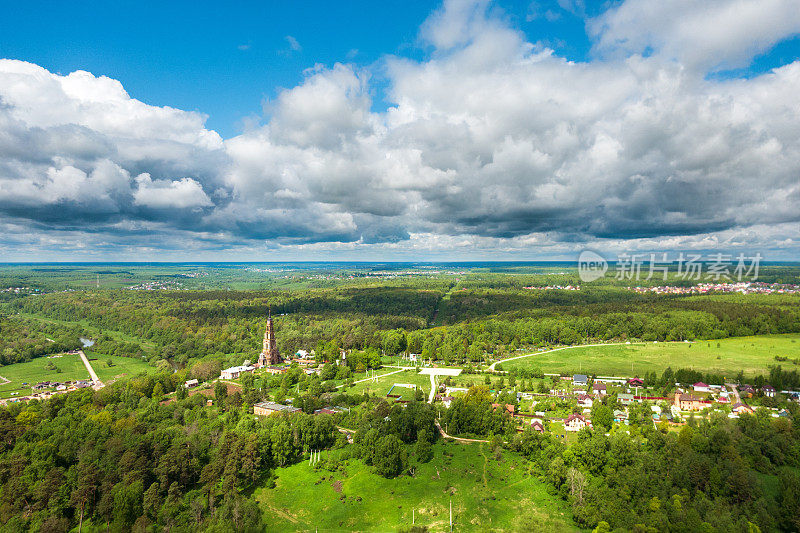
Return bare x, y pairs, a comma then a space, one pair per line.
490, 144
700, 34
166, 194
293, 44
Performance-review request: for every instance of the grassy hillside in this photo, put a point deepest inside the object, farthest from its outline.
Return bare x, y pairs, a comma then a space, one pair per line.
487, 495
753, 355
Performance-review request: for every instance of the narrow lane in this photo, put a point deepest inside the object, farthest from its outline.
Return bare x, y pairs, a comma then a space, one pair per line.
95, 380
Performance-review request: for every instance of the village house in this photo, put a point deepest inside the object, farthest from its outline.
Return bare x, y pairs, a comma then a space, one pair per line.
740, 408
599, 389
747, 391
271, 408
620, 416
768, 390
508, 407
190, 383
576, 423
635, 382
235, 371
625, 398
701, 387
687, 402
447, 400
275, 369
584, 401
580, 380
537, 426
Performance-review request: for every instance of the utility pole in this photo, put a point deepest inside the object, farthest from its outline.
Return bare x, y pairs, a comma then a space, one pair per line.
451, 514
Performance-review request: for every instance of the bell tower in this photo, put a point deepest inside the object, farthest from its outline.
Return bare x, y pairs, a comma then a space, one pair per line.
269, 352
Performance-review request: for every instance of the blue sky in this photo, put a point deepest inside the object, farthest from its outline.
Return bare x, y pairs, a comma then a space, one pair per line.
225, 60
467, 129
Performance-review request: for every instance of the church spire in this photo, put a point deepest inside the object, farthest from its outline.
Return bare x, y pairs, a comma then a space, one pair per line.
269, 352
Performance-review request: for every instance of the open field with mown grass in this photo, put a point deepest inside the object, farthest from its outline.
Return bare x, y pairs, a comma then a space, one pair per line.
753, 355
72, 368
384, 382
487, 495
124, 367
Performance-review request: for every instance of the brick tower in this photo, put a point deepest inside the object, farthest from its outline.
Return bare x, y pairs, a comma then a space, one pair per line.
269, 352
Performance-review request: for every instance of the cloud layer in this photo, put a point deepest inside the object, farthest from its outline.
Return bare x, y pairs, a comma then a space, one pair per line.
491, 143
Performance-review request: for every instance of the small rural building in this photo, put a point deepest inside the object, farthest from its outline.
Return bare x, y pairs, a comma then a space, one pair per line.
190, 383
447, 400
537, 426
635, 382
275, 369
768, 390
701, 387
584, 400
327, 411
740, 408
599, 389
747, 390
625, 398
509, 408
271, 408
235, 371
580, 380
576, 423
620, 415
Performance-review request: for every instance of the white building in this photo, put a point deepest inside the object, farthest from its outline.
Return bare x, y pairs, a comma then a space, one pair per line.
235, 371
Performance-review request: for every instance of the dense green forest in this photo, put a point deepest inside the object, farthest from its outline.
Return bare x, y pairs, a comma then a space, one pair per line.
125, 459
181, 325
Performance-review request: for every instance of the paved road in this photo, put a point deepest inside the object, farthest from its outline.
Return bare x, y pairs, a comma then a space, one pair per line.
92, 374
567, 348
433, 388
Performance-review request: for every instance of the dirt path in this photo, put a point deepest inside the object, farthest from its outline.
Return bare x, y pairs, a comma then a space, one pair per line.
457, 439
283, 514
4, 380
485, 462
491, 367
433, 388
95, 380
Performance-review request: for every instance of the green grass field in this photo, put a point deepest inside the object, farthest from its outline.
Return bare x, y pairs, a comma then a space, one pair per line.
753, 355
123, 366
487, 495
33, 372
384, 382
72, 368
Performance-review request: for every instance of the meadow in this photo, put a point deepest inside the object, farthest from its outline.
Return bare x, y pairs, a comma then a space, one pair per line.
123, 367
487, 495
71, 368
753, 355
384, 382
